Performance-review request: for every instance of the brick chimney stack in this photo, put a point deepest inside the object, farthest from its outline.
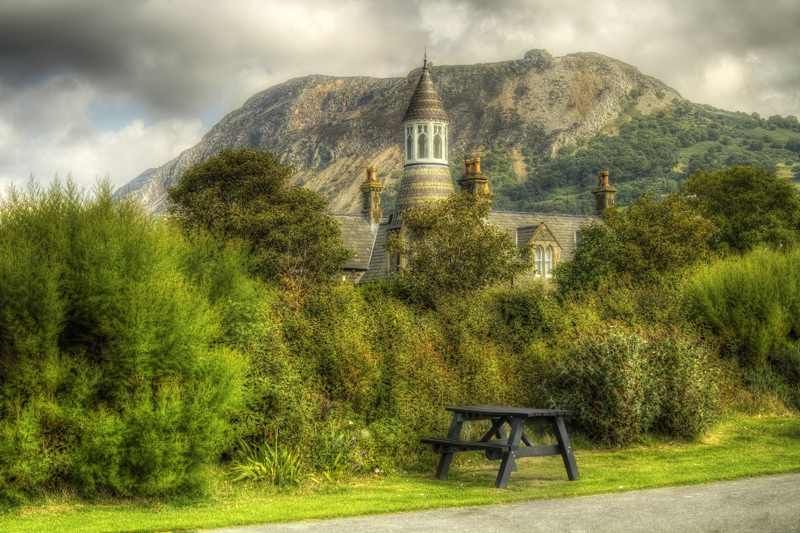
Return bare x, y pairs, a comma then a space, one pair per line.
371, 191
473, 180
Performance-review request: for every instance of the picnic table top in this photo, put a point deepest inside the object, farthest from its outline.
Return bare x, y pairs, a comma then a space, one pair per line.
500, 410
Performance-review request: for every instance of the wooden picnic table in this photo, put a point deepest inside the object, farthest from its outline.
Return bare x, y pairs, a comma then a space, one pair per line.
506, 448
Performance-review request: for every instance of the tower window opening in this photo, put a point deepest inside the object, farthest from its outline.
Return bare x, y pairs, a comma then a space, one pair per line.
437, 146
422, 142
410, 142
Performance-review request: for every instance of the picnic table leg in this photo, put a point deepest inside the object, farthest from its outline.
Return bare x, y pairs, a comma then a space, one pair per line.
447, 458
566, 448
509, 463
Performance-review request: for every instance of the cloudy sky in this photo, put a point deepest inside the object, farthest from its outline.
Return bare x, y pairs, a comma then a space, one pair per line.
117, 86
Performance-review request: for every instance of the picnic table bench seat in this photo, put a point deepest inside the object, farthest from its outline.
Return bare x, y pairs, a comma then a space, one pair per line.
498, 445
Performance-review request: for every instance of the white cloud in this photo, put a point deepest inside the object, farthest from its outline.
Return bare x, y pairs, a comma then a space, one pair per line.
174, 61
46, 131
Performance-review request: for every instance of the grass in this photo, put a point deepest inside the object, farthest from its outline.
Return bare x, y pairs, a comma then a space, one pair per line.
737, 447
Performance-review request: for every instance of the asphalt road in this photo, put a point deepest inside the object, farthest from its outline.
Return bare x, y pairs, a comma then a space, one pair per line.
761, 504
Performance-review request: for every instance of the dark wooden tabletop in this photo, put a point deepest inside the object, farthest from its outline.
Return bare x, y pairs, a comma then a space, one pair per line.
500, 410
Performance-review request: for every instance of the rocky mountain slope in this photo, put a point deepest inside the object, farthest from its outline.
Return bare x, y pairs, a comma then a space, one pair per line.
332, 128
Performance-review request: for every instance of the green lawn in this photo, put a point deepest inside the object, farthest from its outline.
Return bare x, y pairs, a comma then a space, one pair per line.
737, 447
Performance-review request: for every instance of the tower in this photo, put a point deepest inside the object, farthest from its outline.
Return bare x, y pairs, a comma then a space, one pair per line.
426, 176
603, 194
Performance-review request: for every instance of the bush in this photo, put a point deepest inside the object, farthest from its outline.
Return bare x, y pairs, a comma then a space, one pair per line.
688, 384
619, 384
111, 373
752, 302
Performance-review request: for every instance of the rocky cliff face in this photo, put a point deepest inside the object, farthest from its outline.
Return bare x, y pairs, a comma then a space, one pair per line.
332, 128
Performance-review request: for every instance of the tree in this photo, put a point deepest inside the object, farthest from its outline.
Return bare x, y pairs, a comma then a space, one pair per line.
451, 249
651, 242
750, 206
245, 194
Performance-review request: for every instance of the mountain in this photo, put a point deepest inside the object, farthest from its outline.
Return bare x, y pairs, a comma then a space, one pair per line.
331, 128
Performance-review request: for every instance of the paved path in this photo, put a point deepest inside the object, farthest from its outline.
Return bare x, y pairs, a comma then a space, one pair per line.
761, 504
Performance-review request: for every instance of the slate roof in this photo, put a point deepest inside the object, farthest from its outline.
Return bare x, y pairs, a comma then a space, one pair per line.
425, 103
562, 227
358, 236
368, 240
379, 263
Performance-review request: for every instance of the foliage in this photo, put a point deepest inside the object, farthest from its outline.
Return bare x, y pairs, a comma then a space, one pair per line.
605, 381
654, 152
450, 249
245, 194
619, 384
752, 303
112, 375
650, 242
750, 206
267, 462
689, 383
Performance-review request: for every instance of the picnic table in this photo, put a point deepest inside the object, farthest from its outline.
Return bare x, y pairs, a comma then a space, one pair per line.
506, 448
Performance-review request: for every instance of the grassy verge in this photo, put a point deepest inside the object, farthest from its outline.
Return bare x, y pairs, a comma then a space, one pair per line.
737, 447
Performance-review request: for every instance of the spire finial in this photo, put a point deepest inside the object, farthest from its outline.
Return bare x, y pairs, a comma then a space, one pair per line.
425, 61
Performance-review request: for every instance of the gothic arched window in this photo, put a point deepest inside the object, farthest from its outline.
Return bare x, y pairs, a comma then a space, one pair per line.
538, 260
548, 261
422, 142
437, 143
410, 142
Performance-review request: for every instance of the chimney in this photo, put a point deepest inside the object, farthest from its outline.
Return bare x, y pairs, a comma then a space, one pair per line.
473, 180
603, 194
371, 191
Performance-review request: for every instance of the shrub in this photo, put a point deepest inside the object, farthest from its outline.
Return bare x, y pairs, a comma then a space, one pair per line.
752, 302
688, 383
620, 384
606, 383
111, 373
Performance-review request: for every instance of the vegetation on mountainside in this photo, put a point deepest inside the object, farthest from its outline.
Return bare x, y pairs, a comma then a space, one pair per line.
654, 152
245, 194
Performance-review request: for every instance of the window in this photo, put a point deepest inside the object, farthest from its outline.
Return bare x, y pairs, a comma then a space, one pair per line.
538, 260
410, 142
422, 142
438, 145
548, 261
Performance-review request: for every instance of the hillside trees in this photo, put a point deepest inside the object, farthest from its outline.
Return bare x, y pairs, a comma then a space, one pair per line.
245, 194
452, 250
112, 374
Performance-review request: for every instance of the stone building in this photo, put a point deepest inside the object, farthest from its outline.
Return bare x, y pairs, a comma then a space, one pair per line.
426, 178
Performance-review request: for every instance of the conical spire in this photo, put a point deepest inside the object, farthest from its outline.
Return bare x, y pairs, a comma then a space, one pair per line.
425, 104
